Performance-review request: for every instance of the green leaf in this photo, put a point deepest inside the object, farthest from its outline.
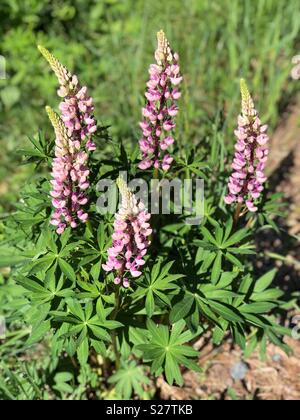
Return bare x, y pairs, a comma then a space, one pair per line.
250, 346
64, 238
218, 335
99, 332
67, 270
226, 279
234, 260
100, 309
258, 320
156, 286
76, 309
172, 370
150, 305
235, 238
83, 352
39, 333
271, 294
181, 309
63, 377
226, 311
264, 281
257, 307
228, 228
167, 352
208, 236
205, 245
205, 309
130, 378
216, 269
100, 347
239, 336
95, 271
155, 271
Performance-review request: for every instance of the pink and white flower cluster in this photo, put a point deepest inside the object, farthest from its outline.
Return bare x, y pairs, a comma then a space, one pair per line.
130, 238
74, 141
77, 114
68, 185
161, 107
251, 153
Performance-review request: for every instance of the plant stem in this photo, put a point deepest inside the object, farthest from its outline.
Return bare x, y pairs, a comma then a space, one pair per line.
89, 226
155, 218
115, 349
237, 213
248, 224
113, 333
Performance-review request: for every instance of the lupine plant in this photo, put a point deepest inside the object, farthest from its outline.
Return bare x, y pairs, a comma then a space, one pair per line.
122, 297
161, 108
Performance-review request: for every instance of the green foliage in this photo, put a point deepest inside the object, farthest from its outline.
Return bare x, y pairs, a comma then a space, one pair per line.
128, 379
201, 281
166, 350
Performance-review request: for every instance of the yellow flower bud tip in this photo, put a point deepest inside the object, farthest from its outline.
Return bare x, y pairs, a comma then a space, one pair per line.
244, 90
47, 55
125, 192
160, 36
247, 101
163, 51
60, 71
42, 50
121, 184
51, 113
57, 123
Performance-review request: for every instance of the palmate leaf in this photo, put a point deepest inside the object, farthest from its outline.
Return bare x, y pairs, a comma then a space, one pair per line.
167, 350
155, 285
218, 243
46, 292
128, 379
82, 328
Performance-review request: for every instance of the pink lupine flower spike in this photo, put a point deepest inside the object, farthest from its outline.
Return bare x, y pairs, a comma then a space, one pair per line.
161, 107
251, 153
130, 238
74, 141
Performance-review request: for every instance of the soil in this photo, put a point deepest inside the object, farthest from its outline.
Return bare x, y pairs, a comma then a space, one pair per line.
276, 378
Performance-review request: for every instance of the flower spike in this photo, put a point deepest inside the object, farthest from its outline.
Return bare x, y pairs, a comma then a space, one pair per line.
130, 238
251, 153
74, 132
161, 107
